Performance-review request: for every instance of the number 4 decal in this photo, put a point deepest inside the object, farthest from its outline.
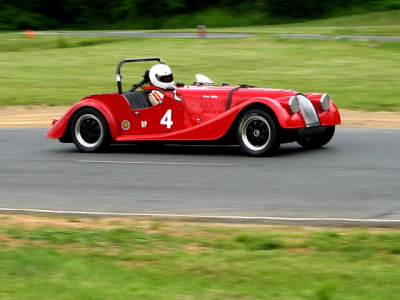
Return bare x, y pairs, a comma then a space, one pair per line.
167, 119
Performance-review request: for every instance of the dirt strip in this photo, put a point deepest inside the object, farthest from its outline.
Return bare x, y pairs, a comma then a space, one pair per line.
27, 116
42, 116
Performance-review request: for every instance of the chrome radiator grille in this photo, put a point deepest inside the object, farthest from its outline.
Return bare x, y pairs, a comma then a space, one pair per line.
307, 109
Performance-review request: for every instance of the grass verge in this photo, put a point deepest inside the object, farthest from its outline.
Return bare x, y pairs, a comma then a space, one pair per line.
72, 258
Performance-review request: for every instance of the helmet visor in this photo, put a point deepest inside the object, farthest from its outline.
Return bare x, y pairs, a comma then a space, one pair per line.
165, 78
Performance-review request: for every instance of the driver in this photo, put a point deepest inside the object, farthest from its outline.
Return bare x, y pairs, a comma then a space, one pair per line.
160, 76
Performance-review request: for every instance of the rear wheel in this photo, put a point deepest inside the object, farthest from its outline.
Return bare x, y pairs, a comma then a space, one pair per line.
90, 132
257, 133
317, 140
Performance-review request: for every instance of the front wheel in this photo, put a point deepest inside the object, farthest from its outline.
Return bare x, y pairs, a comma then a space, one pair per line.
257, 133
90, 132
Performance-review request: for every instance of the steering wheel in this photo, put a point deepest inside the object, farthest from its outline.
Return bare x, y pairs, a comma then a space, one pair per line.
145, 80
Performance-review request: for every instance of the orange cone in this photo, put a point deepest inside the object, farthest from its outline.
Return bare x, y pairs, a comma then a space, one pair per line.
30, 33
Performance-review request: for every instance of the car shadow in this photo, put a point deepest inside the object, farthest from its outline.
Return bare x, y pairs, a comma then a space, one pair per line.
157, 148
234, 150
177, 149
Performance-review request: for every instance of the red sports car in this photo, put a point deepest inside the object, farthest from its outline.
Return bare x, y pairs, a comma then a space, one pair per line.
258, 119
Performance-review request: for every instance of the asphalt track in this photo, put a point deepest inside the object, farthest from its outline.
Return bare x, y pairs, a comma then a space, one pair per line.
353, 180
217, 35
380, 38
146, 34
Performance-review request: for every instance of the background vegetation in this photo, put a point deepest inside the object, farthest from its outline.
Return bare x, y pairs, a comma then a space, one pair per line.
363, 75
60, 70
156, 14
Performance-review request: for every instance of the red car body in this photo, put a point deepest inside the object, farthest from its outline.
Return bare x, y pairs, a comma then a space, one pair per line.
204, 112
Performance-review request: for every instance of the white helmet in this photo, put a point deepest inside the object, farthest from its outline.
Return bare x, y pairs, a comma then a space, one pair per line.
161, 76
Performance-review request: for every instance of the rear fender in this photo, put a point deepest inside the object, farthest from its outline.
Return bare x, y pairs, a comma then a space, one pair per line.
60, 130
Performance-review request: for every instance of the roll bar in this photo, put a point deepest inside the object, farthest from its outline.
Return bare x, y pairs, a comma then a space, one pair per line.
129, 60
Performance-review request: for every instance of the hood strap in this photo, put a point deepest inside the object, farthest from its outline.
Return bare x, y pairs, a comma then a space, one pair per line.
228, 102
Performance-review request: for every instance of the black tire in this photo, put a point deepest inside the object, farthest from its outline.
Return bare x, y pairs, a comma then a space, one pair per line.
317, 140
257, 133
90, 131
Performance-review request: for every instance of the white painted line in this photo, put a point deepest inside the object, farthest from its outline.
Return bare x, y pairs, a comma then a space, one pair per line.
205, 217
153, 163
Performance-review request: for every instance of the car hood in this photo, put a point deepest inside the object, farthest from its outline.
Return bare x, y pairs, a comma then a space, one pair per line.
240, 91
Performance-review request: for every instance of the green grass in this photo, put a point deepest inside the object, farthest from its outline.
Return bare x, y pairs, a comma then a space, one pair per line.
169, 260
54, 70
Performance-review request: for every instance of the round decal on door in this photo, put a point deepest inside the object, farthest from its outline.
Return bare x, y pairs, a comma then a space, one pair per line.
125, 125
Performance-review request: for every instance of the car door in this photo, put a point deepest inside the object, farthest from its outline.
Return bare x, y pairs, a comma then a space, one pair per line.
167, 116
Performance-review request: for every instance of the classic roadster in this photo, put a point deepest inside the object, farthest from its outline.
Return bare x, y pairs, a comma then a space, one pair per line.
258, 119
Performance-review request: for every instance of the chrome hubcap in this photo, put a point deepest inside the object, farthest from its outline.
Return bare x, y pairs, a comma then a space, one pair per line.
255, 132
89, 130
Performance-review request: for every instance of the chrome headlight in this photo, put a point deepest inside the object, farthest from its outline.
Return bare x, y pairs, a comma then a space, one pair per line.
325, 102
294, 104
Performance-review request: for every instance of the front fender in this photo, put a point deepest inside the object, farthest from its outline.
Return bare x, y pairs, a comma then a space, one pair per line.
329, 117
60, 128
289, 120
285, 118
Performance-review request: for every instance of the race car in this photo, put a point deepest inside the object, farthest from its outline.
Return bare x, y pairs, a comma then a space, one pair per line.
155, 109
